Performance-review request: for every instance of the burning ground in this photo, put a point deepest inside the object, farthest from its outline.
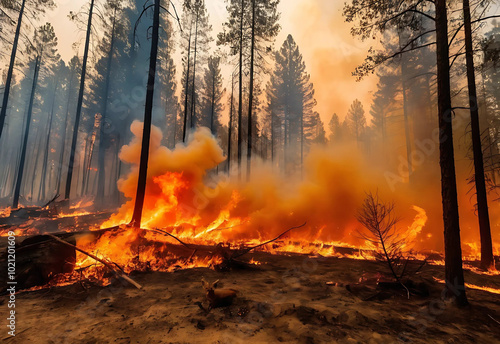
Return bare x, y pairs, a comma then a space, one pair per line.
284, 299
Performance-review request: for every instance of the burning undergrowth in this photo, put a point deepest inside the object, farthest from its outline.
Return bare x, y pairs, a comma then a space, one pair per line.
194, 217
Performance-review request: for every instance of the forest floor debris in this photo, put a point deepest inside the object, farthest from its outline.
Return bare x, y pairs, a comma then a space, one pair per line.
285, 300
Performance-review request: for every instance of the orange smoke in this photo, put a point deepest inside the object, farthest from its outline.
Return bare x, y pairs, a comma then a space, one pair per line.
186, 196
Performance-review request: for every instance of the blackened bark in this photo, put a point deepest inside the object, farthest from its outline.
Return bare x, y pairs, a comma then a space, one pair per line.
487, 260
19, 180
454, 275
143, 167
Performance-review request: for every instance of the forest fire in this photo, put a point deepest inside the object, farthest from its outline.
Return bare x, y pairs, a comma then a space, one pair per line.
250, 171
182, 201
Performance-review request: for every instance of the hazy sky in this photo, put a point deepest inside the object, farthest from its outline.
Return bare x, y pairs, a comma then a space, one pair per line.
329, 51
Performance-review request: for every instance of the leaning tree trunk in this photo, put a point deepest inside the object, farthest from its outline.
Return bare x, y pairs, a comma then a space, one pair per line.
250, 96
8, 81
79, 104
143, 167
19, 181
101, 155
454, 275
487, 260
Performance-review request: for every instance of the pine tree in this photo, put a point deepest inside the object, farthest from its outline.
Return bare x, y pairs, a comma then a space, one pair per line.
335, 129
356, 120
101, 87
80, 100
291, 101
196, 38
34, 9
212, 95
44, 50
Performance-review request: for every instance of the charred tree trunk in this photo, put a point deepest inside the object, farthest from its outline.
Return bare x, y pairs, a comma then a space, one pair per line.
8, 81
250, 96
79, 104
487, 260
17, 190
102, 152
454, 275
143, 167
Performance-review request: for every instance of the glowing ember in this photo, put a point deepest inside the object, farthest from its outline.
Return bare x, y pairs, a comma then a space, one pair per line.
74, 214
5, 212
473, 286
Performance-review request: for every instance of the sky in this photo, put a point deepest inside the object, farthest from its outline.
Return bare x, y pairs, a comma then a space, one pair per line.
330, 52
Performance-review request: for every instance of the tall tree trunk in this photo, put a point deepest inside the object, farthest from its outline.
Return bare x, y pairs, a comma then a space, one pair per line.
301, 142
8, 81
89, 165
102, 135
17, 190
240, 100
404, 75
454, 275
212, 112
230, 126
250, 95
143, 167
487, 260
34, 165
79, 104
47, 145
193, 90
186, 92
84, 166
272, 137
63, 140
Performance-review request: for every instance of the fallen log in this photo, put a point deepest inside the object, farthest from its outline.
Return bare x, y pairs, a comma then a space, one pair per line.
39, 260
267, 242
110, 266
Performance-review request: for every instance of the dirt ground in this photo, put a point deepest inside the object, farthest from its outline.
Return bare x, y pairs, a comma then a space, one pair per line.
285, 299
